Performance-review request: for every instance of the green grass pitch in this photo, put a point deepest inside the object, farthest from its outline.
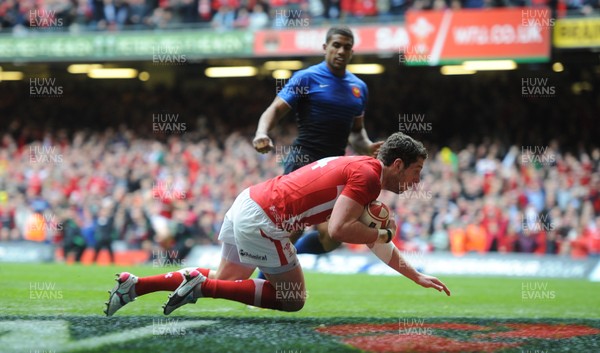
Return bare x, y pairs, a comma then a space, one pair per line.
58, 308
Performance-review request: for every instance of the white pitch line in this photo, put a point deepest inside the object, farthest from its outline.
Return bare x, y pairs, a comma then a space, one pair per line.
53, 335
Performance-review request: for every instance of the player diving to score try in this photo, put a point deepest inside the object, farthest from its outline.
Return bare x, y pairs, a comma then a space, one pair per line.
255, 231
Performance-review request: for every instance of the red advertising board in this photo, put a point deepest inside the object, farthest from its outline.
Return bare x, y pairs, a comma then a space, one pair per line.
432, 37
309, 41
521, 34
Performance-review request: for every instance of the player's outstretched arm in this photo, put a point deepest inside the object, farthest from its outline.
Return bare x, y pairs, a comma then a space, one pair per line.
399, 264
277, 110
359, 140
389, 254
344, 226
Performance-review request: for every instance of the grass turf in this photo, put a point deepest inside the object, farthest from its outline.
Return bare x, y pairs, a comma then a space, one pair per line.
83, 290
75, 294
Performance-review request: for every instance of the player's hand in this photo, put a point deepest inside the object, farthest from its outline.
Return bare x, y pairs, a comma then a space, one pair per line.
262, 143
374, 148
432, 282
392, 226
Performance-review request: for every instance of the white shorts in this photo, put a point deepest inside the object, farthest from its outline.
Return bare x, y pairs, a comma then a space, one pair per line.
259, 242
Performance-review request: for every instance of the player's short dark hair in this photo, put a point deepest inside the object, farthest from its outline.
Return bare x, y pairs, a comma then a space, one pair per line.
341, 30
400, 145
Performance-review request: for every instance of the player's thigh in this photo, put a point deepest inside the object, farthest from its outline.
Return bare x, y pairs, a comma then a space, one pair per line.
231, 271
230, 267
325, 239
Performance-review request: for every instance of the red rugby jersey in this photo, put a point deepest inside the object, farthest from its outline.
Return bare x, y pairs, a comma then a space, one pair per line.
307, 195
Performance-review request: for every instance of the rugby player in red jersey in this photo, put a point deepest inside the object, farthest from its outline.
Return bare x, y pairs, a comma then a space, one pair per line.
256, 230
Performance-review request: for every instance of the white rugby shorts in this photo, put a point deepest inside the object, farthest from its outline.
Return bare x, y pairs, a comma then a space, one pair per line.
259, 242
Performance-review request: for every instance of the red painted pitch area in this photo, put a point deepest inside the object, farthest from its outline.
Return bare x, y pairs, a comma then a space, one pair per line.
425, 344
354, 329
545, 331
425, 338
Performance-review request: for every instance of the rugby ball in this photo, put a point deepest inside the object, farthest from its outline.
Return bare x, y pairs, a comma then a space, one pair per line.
376, 215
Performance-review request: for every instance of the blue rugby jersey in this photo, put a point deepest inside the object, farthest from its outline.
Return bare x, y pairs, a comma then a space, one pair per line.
325, 106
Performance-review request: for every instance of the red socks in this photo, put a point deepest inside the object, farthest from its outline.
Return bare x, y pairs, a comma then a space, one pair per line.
256, 292
165, 282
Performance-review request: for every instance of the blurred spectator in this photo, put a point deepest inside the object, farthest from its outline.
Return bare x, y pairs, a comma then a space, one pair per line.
592, 236
439, 5
137, 229
7, 224
73, 240
88, 227
10, 14
116, 13
258, 18
476, 235
224, 19
187, 10
183, 235
242, 18
527, 241
160, 18
399, 7
473, 4
458, 239
332, 9
358, 9
138, 11
204, 11
105, 230
439, 239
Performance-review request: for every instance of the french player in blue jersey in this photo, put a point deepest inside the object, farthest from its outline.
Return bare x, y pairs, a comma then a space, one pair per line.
329, 104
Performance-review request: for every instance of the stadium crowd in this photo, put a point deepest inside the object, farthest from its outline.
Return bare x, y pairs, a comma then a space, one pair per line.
111, 15
504, 174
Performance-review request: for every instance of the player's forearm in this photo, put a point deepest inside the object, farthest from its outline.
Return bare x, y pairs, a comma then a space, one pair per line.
352, 233
360, 142
389, 254
266, 122
384, 251
398, 263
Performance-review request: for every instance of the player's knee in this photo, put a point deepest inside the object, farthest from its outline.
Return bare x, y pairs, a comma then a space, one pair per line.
293, 305
183, 271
